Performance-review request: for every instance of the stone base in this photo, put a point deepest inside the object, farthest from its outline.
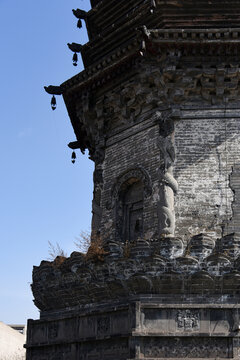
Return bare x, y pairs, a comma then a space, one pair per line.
144, 328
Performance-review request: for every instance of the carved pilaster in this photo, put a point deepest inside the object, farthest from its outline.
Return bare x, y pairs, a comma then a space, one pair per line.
98, 158
167, 184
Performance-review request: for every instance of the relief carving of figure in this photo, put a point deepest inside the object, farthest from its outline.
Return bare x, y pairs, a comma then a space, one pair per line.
97, 193
168, 185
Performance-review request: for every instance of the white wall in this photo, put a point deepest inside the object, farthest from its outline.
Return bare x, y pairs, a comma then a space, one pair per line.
11, 343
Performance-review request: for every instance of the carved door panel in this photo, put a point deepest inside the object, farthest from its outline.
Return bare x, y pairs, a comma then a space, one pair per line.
133, 212
135, 221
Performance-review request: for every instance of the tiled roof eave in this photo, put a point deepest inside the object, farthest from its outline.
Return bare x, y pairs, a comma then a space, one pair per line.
157, 38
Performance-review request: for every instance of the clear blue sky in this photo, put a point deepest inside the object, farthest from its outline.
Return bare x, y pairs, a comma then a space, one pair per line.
44, 197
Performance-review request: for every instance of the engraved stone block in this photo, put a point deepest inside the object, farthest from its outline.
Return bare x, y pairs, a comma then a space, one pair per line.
188, 320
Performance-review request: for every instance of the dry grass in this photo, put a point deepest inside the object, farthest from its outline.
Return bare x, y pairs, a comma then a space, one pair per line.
59, 260
96, 251
83, 242
55, 251
91, 246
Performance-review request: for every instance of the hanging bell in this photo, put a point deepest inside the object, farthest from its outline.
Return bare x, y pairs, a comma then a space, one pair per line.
143, 48
75, 59
53, 103
73, 157
152, 6
79, 23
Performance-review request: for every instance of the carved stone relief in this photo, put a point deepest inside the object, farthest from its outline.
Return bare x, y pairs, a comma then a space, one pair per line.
187, 347
103, 325
188, 320
167, 184
128, 196
97, 195
138, 173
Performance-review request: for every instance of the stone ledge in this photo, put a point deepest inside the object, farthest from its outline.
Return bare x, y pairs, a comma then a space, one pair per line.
165, 266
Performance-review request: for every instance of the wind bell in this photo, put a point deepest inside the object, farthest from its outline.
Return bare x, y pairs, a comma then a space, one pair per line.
142, 48
152, 6
79, 23
73, 157
53, 103
75, 59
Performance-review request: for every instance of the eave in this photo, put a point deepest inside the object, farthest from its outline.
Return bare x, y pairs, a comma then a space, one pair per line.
206, 42
187, 40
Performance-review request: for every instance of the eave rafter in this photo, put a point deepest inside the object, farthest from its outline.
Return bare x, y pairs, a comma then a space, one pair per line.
149, 43
205, 41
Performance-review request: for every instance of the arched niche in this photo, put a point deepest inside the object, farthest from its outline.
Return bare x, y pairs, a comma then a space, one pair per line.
128, 195
131, 199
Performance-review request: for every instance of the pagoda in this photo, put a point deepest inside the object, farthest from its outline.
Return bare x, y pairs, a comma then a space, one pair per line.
157, 107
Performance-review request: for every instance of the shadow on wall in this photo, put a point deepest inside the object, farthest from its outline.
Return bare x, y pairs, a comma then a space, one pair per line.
198, 139
207, 155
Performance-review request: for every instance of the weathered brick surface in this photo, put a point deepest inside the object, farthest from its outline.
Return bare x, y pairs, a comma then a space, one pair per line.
208, 151
132, 148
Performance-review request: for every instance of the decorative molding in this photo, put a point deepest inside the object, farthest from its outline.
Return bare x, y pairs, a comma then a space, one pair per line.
148, 268
103, 325
188, 320
195, 36
168, 347
139, 173
186, 40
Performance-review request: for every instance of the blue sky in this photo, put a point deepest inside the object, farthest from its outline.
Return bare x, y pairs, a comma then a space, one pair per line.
44, 197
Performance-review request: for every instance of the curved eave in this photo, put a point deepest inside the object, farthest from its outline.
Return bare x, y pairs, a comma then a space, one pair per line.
102, 71
91, 79
96, 76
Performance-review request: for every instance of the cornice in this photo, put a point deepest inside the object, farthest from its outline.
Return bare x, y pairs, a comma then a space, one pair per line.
118, 31
195, 36
190, 41
205, 268
94, 74
109, 15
